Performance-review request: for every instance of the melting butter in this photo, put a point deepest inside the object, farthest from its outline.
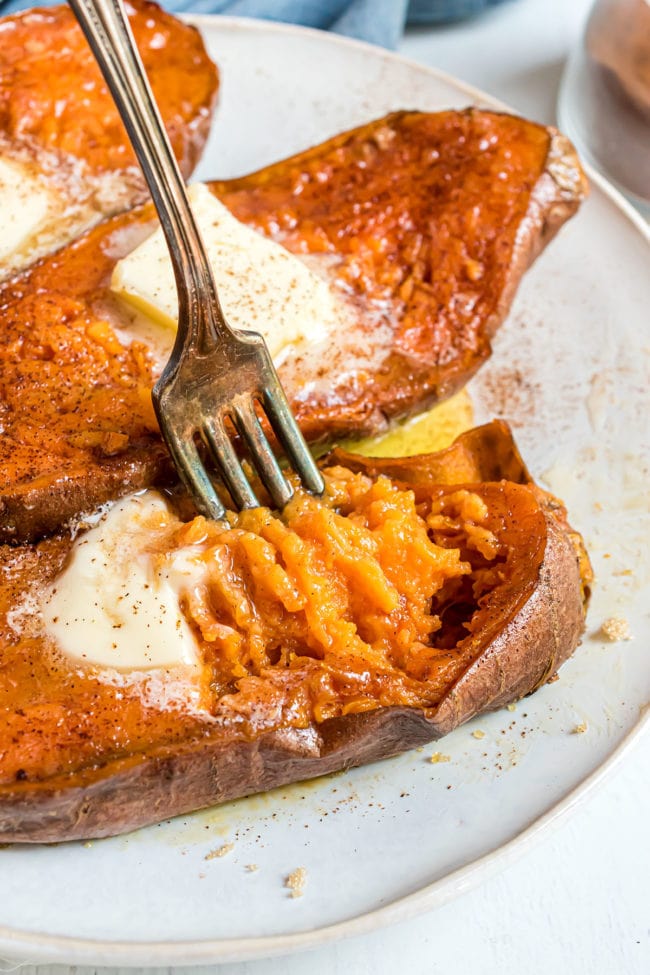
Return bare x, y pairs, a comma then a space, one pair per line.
262, 286
424, 434
116, 604
25, 204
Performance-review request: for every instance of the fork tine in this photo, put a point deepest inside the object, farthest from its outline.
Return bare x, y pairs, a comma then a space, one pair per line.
288, 433
224, 455
190, 467
260, 451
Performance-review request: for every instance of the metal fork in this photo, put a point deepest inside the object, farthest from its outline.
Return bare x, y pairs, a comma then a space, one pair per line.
214, 373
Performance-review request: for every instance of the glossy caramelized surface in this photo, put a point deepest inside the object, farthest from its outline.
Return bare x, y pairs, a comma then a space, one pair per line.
61, 359
423, 216
54, 103
422, 223
381, 596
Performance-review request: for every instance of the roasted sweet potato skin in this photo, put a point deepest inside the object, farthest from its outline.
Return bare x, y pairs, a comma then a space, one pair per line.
424, 222
527, 629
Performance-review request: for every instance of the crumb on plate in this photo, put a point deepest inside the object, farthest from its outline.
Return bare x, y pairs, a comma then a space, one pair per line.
478, 734
439, 757
221, 851
296, 881
615, 629
580, 728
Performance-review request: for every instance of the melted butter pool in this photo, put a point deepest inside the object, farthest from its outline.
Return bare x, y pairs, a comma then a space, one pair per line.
423, 434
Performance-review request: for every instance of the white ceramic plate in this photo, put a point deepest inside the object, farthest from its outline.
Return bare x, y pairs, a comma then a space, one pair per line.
571, 371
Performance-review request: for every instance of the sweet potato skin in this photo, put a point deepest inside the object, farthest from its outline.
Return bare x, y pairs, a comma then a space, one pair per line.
391, 215
514, 655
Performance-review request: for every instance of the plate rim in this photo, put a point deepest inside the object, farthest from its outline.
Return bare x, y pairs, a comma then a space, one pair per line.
477, 95
64, 949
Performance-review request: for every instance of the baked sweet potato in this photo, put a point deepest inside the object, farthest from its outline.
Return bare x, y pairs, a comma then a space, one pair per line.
339, 634
422, 223
59, 124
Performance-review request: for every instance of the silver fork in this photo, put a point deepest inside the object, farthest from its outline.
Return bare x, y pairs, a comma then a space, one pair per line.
214, 373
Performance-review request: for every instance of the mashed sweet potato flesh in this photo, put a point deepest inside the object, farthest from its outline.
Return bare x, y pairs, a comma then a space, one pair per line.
332, 603
367, 598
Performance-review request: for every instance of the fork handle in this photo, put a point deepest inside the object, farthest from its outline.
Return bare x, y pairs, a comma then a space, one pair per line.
108, 32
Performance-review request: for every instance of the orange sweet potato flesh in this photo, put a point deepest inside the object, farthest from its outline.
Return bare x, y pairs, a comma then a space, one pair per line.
57, 116
82, 758
425, 221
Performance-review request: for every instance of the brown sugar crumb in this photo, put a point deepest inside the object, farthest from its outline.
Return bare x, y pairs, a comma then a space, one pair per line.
251, 867
616, 629
221, 851
478, 734
296, 882
580, 728
439, 757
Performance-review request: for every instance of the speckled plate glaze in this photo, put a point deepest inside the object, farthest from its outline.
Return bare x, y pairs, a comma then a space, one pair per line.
571, 371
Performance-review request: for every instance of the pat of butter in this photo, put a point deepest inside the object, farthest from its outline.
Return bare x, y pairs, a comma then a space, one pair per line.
24, 204
262, 287
115, 604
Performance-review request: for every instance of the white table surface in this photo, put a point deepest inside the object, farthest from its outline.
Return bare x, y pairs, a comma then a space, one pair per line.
579, 902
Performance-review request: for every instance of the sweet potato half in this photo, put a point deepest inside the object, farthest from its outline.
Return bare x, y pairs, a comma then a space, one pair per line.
422, 223
58, 120
85, 757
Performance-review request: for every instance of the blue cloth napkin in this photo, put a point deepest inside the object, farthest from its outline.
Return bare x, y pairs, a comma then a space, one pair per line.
378, 21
